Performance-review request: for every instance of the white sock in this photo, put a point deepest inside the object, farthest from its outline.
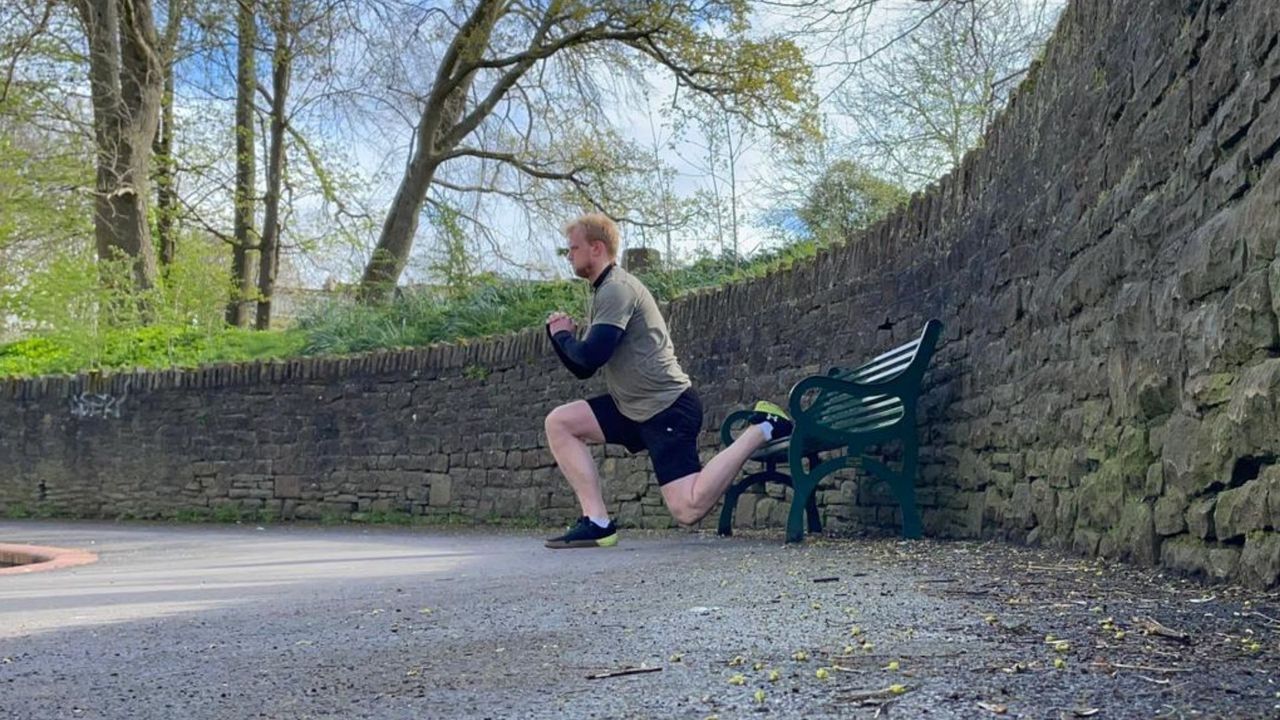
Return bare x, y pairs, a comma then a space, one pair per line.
601, 522
766, 427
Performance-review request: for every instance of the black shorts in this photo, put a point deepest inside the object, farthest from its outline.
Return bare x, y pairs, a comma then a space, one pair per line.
671, 436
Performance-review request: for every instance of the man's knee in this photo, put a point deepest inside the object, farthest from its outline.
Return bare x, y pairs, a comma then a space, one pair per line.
561, 422
687, 514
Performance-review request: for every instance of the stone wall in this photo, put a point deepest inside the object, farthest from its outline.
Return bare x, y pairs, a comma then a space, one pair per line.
1109, 379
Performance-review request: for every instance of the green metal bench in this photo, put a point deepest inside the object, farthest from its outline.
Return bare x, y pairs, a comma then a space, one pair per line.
849, 410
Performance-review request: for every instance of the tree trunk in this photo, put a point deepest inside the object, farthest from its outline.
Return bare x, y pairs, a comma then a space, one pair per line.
441, 113
166, 196
269, 254
126, 82
245, 239
392, 253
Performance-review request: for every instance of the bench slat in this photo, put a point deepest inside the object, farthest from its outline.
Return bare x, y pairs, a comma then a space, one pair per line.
907, 346
879, 373
854, 419
841, 403
868, 424
891, 362
853, 411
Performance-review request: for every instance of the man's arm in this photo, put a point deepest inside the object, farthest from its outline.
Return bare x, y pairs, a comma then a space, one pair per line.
584, 357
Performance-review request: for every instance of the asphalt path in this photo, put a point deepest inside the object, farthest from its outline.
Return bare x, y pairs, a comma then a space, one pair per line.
292, 621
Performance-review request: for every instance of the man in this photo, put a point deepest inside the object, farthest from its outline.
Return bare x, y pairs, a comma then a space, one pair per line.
650, 405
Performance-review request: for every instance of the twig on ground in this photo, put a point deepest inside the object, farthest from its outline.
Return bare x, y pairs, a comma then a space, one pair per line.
1145, 668
884, 707
1154, 627
975, 593
1255, 613
623, 671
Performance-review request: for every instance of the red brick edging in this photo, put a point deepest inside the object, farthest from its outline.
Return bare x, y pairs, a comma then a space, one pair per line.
35, 558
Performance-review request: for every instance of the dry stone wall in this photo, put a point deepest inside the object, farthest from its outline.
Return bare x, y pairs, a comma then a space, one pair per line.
1109, 378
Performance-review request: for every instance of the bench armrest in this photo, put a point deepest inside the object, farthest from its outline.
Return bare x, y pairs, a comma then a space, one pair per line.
897, 387
726, 428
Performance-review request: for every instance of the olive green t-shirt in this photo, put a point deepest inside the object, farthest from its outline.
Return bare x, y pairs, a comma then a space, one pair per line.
642, 375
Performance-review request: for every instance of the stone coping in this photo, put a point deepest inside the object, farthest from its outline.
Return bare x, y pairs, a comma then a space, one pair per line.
36, 558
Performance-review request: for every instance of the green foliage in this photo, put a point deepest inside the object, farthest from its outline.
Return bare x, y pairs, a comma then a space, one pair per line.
383, 517
192, 515
185, 328
845, 199
36, 356
711, 271
42, 511
226, 514
44, 178
85, 314
490, 307
146, 347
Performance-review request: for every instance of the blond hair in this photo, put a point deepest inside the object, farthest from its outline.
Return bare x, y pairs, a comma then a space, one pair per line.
596, 227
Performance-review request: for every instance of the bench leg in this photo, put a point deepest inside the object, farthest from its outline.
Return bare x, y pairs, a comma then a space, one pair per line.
904, 490
803, 498
811, 508
815, 521
730, 502
804, 484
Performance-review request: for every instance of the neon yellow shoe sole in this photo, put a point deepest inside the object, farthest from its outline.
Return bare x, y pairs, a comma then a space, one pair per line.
768, 408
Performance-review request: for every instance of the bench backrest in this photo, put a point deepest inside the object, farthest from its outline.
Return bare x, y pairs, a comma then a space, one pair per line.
906, 363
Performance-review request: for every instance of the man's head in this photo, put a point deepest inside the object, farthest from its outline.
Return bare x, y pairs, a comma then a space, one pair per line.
593, 244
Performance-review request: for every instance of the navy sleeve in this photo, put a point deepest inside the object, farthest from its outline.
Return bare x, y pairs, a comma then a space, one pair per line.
584, 357
579, 371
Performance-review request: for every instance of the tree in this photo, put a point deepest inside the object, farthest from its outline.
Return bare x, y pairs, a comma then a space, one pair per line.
126, 80
46, 158
45, 203
723, 140
915, 106
250, 187
498, 60
847, 198
672, 212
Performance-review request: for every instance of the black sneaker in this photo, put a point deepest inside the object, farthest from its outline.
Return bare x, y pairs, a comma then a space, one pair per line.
586, 534
767, 411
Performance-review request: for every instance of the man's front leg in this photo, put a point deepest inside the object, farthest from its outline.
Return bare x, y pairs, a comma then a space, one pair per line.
569, 429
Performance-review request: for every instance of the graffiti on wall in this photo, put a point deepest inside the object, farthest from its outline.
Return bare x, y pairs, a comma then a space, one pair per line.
93, 405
